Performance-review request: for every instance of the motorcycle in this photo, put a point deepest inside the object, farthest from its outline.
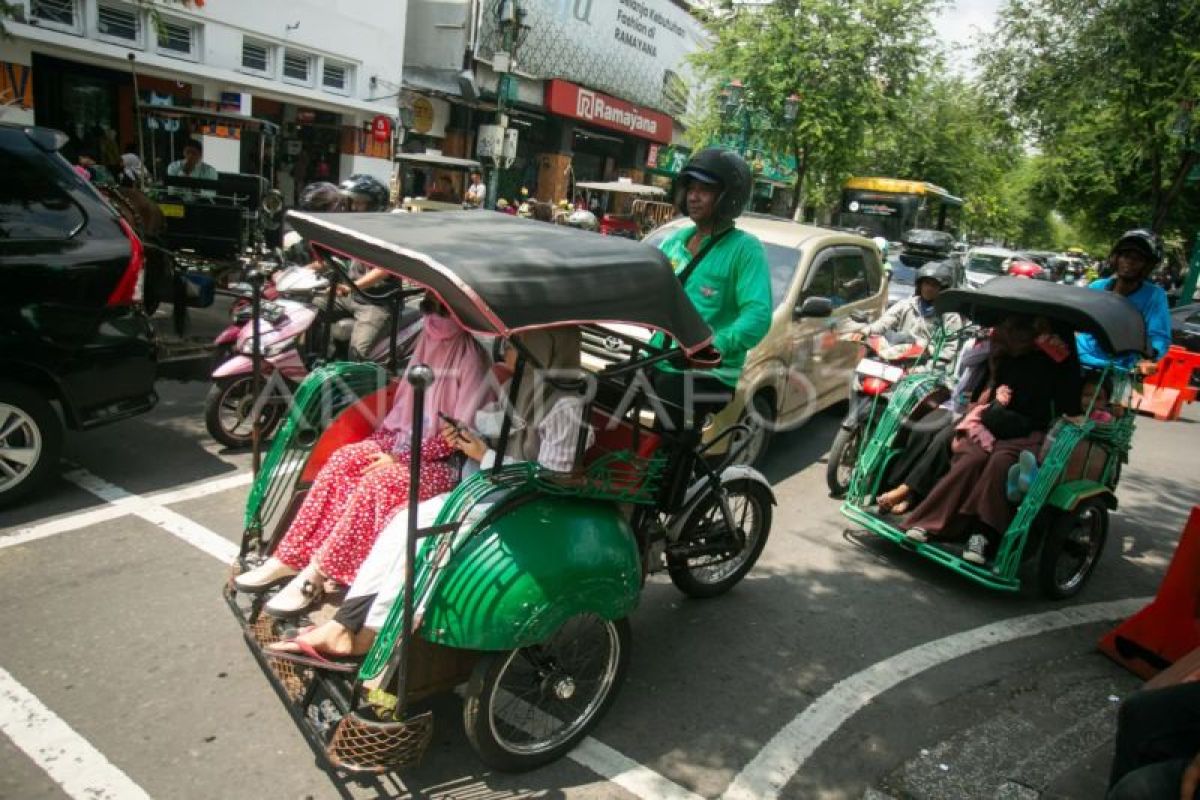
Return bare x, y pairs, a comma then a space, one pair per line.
887, 359
291, 346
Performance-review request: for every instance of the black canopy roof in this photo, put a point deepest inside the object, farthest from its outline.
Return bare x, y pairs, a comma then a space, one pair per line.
1112, 319
501, 274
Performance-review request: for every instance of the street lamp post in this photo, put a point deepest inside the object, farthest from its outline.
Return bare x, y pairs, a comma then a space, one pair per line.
510, 21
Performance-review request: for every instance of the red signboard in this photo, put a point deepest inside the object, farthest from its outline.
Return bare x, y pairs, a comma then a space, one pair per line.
605, 111
381, 128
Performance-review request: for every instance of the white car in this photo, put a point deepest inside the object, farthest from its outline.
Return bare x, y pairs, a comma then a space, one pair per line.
985, 263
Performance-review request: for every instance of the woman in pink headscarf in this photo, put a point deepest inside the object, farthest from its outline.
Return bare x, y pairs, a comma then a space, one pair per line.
363, 484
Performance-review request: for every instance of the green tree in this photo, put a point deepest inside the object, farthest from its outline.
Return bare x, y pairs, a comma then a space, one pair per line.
1105, 88
944, 130
844, 59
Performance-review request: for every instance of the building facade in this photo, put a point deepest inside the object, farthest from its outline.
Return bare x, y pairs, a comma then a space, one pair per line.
598, 85
323, 71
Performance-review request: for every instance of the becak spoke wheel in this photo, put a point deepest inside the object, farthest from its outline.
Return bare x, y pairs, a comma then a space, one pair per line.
530, 706
708, 575
1072, 548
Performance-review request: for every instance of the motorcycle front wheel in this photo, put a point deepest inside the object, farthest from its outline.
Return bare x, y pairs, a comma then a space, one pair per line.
710, 559
843, 455
228, 412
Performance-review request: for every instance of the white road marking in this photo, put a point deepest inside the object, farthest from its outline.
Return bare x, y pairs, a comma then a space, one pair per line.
80, 769
172, 522
786, 753
110, 512
635, 778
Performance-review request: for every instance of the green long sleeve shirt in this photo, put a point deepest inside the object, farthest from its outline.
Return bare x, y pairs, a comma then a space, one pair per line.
731, 289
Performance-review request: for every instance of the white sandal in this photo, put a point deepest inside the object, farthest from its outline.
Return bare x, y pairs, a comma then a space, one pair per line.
299, 595
266, 575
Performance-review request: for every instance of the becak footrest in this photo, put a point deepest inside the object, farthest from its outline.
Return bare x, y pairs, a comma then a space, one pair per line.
364, 743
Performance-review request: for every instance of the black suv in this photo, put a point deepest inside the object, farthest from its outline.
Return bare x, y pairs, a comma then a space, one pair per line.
72, 332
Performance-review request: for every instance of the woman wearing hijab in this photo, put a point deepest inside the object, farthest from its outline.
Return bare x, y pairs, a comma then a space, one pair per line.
363, 484
547, 416
1032, 378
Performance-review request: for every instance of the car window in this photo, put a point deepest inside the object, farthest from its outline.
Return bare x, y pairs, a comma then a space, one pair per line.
32, 204
874, 274
902, 272
782, 262
990, 264
820, 280
850, 281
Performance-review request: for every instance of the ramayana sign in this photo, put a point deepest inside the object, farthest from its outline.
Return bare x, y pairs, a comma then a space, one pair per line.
633, 49
601, 110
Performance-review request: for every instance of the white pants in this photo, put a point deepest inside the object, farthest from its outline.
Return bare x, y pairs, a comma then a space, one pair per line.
382, 574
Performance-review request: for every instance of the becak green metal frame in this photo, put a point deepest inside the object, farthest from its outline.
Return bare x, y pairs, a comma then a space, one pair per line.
1048, 491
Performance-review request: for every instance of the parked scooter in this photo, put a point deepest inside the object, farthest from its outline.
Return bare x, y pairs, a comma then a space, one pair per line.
294, 337
887, 359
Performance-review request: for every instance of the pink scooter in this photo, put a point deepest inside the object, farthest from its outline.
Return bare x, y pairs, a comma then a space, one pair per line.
288, 344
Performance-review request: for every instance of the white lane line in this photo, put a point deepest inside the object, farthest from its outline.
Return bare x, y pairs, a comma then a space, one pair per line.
785, 754
635, 778
70, 760
172, 522
110, 512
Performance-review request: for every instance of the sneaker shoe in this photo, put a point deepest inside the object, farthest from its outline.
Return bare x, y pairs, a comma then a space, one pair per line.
976, 546
1012, 487
266, 575
917, 535
1027, 462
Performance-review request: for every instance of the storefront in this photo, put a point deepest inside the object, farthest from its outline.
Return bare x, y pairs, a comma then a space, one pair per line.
602, 138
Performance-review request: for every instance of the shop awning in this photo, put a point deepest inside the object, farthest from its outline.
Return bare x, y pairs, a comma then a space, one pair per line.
449, 162
624, 187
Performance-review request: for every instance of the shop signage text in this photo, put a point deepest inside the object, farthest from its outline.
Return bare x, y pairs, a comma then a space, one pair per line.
381, 128
586, 105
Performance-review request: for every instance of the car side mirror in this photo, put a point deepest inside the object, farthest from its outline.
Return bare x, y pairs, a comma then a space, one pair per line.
815, 307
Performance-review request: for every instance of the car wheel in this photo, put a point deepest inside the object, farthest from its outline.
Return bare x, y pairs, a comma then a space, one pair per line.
31, 437
759, 416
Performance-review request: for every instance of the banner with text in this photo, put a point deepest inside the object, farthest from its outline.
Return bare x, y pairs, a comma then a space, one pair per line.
633, 49
597, 108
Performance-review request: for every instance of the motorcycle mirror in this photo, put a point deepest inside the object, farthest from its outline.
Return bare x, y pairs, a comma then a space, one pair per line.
861, 317
815, 307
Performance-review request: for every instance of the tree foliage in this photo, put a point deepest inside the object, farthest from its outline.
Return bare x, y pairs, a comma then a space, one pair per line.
845, 59
1100, 86
946, 131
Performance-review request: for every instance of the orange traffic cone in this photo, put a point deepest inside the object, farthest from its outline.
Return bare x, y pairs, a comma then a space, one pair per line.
1167, 629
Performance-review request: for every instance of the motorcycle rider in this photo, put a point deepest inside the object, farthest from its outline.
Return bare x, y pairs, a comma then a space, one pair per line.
724, 273
917, 315
1133, 258
360, 193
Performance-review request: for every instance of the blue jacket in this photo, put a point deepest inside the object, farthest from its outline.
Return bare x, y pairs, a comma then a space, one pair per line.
1151, 301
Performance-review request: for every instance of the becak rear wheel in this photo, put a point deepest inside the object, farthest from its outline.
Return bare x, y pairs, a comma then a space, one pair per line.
527, 707
1071, 549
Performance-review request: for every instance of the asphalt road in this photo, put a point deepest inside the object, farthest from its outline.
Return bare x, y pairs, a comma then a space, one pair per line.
117, 641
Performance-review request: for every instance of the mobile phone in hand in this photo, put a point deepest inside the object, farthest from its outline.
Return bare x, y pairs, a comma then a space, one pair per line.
459, 428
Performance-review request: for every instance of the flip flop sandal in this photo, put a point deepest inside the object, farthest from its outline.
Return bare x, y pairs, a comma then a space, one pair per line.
1012, 487
309, 656
1027, 462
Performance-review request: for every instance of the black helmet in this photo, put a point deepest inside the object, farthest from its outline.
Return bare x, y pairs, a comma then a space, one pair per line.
320, 196
940, 271
1144, 241
369, 187
722, 168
